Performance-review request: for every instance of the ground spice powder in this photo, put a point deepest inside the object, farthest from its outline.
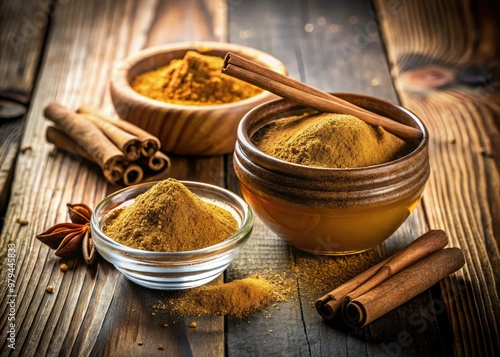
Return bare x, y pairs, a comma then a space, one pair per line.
170, 218
238, 298
313, 276
319, 275
328, 140
195, 79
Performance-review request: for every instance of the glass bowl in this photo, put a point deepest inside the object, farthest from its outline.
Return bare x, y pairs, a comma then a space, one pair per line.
172, 270
330, 211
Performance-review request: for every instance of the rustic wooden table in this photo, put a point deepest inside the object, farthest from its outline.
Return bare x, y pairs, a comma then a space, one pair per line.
440, 59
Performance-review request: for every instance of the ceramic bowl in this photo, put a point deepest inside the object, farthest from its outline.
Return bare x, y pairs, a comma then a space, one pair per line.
330, 211
185, 129
172, 270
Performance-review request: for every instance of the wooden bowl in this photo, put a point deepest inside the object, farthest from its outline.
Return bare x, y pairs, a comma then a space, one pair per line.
185, 129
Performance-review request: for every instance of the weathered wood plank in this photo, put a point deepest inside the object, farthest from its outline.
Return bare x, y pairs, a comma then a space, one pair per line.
335, 55
23, 25
268, 26
79, 318
444, 56
348, 55
188, 20
83, 314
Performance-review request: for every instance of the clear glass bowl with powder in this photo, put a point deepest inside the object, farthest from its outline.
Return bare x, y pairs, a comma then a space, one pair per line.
172, 270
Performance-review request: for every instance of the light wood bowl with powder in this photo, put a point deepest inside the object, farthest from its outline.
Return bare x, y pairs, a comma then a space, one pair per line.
185, 129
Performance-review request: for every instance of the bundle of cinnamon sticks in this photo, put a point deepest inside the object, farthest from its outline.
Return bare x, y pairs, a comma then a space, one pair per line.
126, 153
393, 281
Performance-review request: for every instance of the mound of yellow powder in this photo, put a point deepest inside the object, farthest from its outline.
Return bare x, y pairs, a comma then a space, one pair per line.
170, 218
328, 140
238, 298
195, 79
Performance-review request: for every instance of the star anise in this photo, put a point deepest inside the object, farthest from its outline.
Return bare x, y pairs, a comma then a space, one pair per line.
68, 239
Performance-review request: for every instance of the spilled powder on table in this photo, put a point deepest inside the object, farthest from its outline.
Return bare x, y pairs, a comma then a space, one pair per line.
319, 275
238, 298
241, 298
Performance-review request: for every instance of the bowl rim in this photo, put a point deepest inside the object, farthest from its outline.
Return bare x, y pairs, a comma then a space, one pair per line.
121, 69
219, 248
246, 144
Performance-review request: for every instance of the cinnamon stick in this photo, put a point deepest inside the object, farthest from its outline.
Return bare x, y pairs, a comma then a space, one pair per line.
329, 305
420, 248
60, 140
298, 92
149, 143
126, 142
402, 287
91, 139
132, 175
159, 161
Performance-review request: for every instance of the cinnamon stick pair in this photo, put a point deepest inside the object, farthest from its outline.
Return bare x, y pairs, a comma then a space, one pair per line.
123, 151
393, 281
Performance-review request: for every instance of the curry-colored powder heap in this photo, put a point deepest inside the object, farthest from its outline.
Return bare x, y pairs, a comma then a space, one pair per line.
328, 140
238, 298
194, 80
170, 218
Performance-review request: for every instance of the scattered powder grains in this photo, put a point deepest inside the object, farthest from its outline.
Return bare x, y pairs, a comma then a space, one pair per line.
195, 79
242, 297
170, 218
63, 267
318, 276
238, 298
328, 140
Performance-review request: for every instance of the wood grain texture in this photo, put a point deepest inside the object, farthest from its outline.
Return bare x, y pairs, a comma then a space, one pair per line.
86, 39
188, 20
265, 26
95, 311
444, 58
10, 134
24, 27
334, 55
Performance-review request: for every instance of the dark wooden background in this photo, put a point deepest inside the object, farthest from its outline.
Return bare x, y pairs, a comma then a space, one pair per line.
439, 59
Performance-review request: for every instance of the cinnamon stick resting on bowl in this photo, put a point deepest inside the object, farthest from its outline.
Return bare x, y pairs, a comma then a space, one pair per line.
393, 281
303, 94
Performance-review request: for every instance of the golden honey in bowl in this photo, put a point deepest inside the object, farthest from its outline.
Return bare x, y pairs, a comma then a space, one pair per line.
346, 230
